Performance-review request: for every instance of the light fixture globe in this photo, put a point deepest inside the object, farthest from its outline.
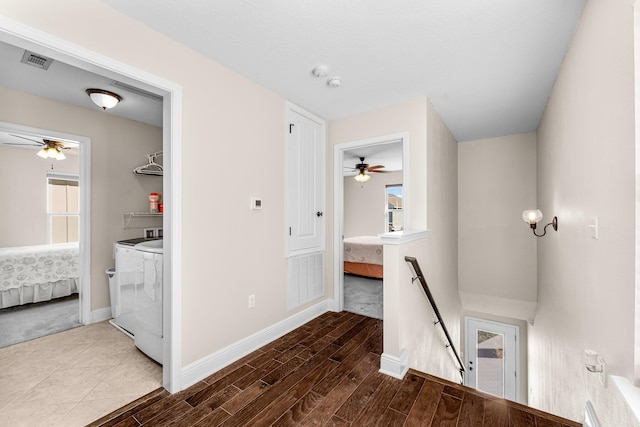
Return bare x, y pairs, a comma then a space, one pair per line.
532, 216
103, 98
362, 177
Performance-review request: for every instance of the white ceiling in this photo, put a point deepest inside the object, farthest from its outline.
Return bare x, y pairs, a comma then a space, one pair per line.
67, 84
486, 65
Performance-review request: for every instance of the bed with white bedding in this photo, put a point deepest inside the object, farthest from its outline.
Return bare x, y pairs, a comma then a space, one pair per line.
363, 256
38, 273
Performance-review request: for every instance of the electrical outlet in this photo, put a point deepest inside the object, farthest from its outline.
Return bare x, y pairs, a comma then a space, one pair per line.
252, 300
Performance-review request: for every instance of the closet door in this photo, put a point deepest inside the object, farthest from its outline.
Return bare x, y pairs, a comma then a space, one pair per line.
305, 145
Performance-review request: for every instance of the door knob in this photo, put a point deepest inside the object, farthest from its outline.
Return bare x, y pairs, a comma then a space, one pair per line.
318, 214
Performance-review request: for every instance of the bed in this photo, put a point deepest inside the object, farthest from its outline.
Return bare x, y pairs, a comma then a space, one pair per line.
363, 256
38, 273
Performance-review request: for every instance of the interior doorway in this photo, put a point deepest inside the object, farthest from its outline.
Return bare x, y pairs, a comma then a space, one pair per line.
491, 357
27, 38
23, 137
348, 163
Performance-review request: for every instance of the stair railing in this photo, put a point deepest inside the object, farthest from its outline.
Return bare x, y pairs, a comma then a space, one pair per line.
419, 276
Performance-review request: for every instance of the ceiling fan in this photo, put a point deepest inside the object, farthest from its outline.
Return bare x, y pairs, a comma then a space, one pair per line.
363, 167
50, 148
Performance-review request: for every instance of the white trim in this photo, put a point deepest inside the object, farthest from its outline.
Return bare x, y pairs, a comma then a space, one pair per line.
289, 108
630, 393
101, 314
471, 344
393, 366
402, 237
204, 367
338, 201
23, 36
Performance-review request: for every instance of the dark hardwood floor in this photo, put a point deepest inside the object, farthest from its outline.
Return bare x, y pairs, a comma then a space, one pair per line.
325, 373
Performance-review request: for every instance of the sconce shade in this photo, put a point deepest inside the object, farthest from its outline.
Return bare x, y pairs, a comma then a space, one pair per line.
103, 98
532, 216
362, 177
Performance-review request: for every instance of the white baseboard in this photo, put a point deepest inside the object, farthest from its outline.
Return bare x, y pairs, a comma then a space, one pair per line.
206, 366
394, 366
100, 314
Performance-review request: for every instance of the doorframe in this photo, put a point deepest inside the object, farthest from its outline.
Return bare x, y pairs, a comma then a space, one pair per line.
84, 176
338, 201
467, 350
26, 37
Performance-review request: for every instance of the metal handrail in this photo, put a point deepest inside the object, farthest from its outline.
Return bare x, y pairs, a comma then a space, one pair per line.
425, 287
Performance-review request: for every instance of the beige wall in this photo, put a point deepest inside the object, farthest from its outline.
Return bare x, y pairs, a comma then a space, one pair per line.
586, 169
23, 194
238, 125
364, 204
433, 182
497, 251
117, 146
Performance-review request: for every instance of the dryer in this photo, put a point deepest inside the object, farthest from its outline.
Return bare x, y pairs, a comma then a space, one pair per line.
147, 305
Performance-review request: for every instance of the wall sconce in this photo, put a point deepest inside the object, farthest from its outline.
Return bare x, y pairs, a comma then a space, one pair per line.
533, 216
595, 364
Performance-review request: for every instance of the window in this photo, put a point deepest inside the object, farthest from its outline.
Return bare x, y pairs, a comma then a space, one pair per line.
394, 213
62, 208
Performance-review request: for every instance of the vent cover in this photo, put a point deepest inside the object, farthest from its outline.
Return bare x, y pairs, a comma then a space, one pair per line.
36, 60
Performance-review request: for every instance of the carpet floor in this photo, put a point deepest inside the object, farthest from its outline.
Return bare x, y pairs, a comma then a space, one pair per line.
363, 295
27, 322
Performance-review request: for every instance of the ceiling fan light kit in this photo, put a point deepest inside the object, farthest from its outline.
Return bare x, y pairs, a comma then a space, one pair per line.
50, 152
363, 168
362, 177
104, 98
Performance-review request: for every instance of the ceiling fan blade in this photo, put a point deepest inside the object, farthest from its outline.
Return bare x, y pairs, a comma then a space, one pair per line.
21, 145
377, 171
28, 139
375, 167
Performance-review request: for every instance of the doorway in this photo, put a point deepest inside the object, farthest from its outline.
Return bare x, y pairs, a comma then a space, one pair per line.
25, 37
491, 357
344, 155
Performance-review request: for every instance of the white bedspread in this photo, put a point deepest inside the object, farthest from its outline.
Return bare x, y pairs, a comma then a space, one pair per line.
364, 249
37, 273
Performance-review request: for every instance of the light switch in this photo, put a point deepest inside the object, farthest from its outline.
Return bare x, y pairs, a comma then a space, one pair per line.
594, 227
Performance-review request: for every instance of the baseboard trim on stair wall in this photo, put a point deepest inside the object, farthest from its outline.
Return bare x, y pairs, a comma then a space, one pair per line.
394, 366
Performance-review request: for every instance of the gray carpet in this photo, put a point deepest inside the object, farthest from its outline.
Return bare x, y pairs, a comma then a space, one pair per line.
27, 322
363, 295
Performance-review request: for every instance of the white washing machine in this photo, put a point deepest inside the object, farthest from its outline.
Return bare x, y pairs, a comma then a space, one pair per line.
147, 304
128, 273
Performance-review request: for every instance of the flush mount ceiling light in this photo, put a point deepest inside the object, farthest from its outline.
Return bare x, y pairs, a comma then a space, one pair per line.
103, 98
533, 216
334, 82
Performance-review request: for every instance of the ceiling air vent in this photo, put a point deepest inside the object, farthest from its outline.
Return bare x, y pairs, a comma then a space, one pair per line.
36, 60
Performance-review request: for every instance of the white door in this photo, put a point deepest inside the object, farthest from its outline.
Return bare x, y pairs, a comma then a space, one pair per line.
305, 182
491, 357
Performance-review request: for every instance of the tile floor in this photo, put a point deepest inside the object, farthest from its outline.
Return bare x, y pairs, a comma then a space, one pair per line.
72, 378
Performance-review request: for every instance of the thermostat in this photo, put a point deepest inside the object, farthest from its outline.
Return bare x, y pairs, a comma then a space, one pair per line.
256, 203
